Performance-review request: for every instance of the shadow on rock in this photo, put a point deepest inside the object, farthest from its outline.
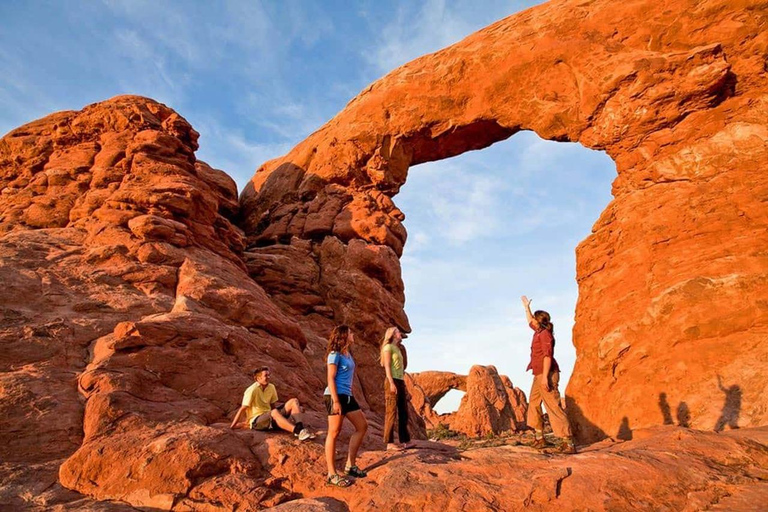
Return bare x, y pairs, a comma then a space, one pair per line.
324, 504
624, 433
683, 415
584, 431
666, 410
729, 417
427, 452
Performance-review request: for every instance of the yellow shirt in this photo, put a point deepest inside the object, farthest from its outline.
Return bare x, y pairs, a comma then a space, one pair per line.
397, 360
258, 400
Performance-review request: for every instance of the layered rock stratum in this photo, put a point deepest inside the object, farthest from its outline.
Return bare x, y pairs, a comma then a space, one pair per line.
138, 292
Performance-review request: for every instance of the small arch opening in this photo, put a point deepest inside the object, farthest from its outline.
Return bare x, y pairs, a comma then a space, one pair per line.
449, 402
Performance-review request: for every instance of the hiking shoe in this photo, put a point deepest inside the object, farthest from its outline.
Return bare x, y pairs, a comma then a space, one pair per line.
337, 480
305, 434
566, 446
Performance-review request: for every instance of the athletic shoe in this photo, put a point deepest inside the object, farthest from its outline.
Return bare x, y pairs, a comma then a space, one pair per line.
305, 434
566, 446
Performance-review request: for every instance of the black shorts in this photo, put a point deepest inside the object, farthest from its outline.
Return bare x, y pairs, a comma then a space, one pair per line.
347, 402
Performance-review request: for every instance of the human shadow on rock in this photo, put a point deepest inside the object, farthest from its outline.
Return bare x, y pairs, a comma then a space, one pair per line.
624, 433
666, 410
729, 416
584, 430
683, 415
427, 452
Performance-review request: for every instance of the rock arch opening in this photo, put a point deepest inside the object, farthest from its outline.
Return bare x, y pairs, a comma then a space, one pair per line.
486, 227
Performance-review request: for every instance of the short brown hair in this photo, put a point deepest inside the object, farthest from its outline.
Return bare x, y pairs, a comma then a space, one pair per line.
259, 370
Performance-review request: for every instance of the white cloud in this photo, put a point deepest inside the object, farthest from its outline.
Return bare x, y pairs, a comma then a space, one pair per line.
290, 118
414, 31
411, 35
465, 208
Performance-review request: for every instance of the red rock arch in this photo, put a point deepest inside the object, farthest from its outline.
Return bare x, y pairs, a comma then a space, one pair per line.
672, 279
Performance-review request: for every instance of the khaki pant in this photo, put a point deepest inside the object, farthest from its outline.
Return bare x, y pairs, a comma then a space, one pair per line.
397, 407
551, 399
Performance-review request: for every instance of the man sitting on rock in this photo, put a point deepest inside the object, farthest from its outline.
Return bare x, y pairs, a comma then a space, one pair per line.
262, 411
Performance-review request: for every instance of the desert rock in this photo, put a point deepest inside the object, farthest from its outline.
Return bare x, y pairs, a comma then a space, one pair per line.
490, 405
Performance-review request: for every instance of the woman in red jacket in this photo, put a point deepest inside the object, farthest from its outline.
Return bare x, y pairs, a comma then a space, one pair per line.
546, 376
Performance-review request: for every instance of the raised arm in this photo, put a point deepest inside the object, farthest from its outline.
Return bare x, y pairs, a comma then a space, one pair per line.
528, 314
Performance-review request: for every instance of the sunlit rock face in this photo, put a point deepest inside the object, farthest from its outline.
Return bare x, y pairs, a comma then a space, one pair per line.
672, 280
129, 321
138, 292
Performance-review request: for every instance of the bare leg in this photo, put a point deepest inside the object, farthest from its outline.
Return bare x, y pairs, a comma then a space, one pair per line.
361, 426
282, 422
334, 427
293, 408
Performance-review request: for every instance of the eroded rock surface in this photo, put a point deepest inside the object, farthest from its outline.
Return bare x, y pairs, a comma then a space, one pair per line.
720, 472
490, 405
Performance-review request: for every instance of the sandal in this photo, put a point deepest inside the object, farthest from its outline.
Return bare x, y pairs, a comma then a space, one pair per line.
355, 472
337, 480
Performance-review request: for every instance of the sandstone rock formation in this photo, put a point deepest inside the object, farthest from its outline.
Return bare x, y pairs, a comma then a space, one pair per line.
672, 281
130, 324
138, 293
490, 405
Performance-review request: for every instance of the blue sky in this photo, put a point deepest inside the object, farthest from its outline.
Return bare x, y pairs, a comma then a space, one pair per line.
255, 78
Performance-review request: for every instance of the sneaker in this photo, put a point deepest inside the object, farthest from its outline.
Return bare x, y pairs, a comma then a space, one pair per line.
305, 434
